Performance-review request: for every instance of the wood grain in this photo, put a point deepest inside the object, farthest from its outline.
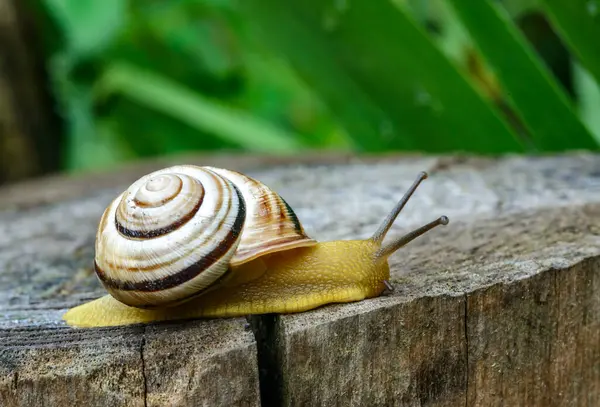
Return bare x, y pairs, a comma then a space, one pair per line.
501, 307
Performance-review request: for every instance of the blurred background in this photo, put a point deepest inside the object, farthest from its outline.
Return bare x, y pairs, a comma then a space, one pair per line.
89, 84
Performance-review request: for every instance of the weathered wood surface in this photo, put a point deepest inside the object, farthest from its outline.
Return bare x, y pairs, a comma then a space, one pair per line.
499, 308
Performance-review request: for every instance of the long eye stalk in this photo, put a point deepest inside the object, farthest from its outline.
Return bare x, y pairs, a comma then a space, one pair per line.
387, 223
391, 247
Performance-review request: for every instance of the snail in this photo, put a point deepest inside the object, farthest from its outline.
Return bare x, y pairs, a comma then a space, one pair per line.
202, 242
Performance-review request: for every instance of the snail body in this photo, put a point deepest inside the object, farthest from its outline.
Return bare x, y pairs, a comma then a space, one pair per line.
190, 242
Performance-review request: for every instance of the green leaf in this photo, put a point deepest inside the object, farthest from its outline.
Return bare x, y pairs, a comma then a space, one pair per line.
544, 107
578, 22
380, 75
518, 8
89, 144
588, 93
89, 25
161, 94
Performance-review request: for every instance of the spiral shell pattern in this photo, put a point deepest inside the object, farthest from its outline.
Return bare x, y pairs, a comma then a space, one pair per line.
271, 224
175, 232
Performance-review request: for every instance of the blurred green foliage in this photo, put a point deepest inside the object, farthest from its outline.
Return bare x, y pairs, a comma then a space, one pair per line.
136, 78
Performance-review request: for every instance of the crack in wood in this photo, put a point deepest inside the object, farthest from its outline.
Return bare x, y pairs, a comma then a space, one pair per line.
142, 345
266, 329
513, 222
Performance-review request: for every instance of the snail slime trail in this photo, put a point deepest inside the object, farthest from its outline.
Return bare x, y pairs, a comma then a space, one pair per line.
202, 242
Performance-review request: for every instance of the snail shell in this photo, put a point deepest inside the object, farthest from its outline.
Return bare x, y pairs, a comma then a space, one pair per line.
174, 232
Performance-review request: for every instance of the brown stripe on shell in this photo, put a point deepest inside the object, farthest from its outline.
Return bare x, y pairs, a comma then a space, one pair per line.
181, 300
199, 231
137, 221
282, 217
148, 234
290, 212
162, 201
188, 273
271, 224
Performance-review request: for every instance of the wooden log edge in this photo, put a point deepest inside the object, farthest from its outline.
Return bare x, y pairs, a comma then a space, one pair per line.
501, 308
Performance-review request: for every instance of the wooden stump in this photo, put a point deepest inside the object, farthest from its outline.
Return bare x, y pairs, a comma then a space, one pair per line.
499, 308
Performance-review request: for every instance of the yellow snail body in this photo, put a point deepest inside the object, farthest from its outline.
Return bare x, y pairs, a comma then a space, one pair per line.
190, 242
